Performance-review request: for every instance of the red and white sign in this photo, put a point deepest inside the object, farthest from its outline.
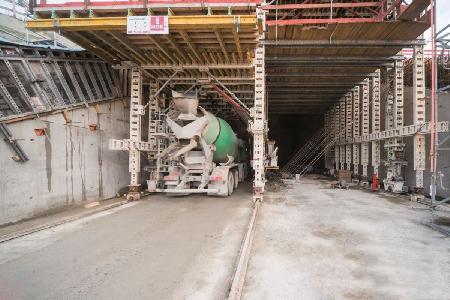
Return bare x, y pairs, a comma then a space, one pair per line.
159, 25
147, 25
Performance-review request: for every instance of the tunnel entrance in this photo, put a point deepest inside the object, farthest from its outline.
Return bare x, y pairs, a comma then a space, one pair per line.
291, 132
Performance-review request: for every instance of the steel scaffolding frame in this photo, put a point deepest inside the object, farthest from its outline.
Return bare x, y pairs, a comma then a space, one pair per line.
35, 80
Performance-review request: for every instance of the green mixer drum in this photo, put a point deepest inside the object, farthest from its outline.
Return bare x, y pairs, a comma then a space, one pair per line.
223, 137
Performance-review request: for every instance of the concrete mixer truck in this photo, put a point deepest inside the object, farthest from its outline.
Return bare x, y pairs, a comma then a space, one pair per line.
204, 155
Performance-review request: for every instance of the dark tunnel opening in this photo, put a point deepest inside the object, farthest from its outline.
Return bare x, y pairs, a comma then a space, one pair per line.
292, 131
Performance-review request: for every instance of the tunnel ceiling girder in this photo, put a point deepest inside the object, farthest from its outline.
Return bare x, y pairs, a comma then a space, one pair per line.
311, 60
331, 56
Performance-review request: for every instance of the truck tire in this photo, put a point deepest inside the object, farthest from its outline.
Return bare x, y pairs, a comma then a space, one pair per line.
236, 178
230, 183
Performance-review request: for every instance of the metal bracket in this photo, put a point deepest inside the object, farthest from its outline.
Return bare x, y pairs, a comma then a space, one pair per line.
162, 87
9, 138
127, 145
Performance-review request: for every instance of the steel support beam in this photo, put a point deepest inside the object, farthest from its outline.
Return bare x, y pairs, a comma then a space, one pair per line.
328, 127
153, 129
74, 81
59, 99
9, 99
101, 78
35, 85
419, 115
399, 94
342, 153
328, 135
322, 21
258, 122
343, 43
321, 5
63, 82
356, 129
197, 67
258, 125
365, 127
136, 111
309, 75
80, 70
335, 115
18, 83
120, 23
376, 121
94, 80
349, 125
334, 59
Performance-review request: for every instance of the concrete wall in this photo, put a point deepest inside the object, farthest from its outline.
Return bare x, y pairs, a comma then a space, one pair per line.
444, 156
69, 166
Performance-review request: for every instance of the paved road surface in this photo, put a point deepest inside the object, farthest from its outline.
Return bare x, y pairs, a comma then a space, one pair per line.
159, 248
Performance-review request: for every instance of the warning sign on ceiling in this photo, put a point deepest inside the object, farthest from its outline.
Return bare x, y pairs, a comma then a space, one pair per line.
147, 25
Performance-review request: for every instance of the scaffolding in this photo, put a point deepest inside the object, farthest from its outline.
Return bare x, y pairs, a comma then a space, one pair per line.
273, 58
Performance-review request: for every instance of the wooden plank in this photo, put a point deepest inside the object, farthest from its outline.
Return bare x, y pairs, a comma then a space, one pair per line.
414, 9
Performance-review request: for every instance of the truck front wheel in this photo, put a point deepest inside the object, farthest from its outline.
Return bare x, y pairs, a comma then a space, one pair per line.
230, 183
236, 178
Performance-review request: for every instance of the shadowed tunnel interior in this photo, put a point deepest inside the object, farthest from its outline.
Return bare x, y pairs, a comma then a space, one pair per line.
291, 132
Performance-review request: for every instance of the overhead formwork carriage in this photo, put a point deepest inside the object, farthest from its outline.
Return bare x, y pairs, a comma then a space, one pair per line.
208, 45
306, 58
344, 60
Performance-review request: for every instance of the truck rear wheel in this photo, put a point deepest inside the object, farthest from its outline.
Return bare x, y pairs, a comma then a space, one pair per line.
236, 178
230, 183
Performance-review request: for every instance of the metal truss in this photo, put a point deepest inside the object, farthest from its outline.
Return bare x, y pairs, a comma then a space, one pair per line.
136, 111
258, 123
342, 152
349, 127
401, 132
376, 120
356, 128
419, 114
365, 128
9, 138
36, 80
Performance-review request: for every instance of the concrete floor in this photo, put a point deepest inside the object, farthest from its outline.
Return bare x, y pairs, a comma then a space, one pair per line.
313, 242
159, 248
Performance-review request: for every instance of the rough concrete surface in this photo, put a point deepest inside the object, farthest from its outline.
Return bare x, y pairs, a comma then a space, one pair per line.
312, 242
158, 248
68, 166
